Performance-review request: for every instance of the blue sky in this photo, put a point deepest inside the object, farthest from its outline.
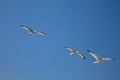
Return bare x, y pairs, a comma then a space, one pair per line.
81, 24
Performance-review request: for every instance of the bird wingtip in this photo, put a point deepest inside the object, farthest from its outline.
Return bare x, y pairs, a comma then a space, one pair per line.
65, 47
88, 51
21, 25
84, 57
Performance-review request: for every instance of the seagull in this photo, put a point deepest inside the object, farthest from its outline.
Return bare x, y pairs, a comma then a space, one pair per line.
98, 59
31, 31
73, 51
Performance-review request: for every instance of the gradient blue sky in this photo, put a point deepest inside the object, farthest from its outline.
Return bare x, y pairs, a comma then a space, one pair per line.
81, 24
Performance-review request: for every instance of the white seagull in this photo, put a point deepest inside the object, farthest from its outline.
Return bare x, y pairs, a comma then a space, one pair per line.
98, 59
31, 31
73, 51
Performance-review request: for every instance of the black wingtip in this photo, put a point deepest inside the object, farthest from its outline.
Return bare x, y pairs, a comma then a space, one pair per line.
65, 47
21, 25
88, 51
84, 57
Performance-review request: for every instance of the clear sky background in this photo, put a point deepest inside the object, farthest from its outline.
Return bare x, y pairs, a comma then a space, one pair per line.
81, 24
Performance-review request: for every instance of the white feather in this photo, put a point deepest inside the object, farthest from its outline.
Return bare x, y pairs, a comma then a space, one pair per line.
31, 31
98, 58
73, 51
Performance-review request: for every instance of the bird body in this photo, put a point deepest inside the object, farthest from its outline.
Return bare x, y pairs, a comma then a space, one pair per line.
74, 52
31, 31
98, 59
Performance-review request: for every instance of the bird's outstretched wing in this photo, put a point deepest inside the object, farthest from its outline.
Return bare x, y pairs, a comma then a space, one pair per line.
94, 55
26, 28
70, 49
107, 59
81, 55
41, 33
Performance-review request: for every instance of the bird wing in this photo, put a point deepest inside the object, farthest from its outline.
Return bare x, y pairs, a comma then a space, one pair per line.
94, 55
41, 33
81, 55
71, 49
107, 58
26, 28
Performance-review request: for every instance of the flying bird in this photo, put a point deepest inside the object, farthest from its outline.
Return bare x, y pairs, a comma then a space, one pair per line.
31, 31
98, 59
74, 52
